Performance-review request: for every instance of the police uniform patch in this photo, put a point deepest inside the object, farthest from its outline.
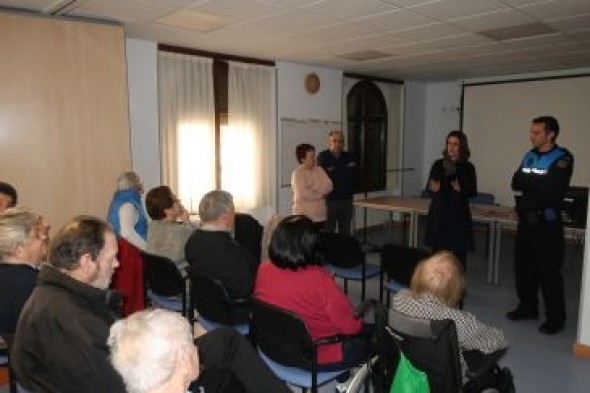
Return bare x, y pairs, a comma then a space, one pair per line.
562, 164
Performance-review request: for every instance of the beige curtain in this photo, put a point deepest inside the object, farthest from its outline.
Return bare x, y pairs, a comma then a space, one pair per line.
248, 142
187, 125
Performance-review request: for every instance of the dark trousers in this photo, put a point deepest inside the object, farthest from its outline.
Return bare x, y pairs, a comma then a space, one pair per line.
339, 216
538, 259
230, 365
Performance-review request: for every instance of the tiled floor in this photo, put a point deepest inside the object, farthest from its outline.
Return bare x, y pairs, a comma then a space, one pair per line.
541, 364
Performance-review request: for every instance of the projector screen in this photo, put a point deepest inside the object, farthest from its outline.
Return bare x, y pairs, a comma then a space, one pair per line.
497, 119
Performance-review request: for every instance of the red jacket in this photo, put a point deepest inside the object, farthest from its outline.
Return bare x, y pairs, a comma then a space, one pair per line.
128, 277
312, 294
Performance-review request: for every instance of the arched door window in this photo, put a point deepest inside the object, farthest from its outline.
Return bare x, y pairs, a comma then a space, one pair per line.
367, 135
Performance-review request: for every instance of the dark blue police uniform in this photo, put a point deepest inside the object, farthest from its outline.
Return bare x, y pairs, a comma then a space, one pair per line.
540, 184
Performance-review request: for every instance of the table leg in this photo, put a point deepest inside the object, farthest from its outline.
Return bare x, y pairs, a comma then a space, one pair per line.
498, 248
491, 249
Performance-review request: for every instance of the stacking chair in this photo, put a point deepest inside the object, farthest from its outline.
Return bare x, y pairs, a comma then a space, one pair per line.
344, 256
398, 264
286, 346
165, 286
215, 306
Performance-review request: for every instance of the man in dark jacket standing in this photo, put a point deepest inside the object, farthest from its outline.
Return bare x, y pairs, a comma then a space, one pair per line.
540, 183
342, 169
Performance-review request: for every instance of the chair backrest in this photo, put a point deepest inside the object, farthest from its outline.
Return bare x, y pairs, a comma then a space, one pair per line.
161, 275
483, 198
281, 335
399, 262
431, 346
341, 250
248, 232
212, 301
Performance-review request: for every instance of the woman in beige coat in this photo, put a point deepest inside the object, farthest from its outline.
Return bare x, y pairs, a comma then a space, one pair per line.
310, 186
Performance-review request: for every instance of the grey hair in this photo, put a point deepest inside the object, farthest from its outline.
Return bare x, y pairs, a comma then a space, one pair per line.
128, 180
214, 204
15, 225
144, 345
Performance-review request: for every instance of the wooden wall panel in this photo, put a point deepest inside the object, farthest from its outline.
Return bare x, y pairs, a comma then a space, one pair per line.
64, 127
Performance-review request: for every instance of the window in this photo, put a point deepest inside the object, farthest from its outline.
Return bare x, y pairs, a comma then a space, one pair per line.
217, 130
367, 135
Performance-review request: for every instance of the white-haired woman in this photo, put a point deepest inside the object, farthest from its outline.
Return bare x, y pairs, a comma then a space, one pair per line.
435, 291
153, 351
23, 245
126, 214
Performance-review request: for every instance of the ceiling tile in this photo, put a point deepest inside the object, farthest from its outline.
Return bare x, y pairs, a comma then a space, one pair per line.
445, 10
580, 35
394, 20
236, 9
333, 33
540, 41
518, 3
557, 9
409, 3
347, 9
289, 3
192, 20
132, 10
425, 33
493, 20
578, 22
372, 41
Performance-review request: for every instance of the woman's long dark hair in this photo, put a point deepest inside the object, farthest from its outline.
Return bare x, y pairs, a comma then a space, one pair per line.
464, 152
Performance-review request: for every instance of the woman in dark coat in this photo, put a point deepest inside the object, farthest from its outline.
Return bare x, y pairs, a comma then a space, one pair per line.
452, 181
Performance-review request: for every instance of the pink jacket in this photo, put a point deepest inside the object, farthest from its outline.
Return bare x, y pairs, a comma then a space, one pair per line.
310, 187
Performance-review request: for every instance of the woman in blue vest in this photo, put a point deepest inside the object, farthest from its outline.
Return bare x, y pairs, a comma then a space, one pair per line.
452, 181
126, 214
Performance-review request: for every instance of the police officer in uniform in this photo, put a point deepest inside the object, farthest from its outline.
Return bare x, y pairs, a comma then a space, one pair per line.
540, 184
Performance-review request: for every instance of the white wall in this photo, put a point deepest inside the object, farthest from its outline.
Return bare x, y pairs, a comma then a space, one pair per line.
443, 101
142, 80
413, 138
295, 102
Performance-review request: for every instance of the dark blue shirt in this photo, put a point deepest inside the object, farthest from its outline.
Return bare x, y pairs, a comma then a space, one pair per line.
342, 171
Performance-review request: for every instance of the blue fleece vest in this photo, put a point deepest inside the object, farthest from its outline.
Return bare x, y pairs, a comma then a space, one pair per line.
540, 164
119, 199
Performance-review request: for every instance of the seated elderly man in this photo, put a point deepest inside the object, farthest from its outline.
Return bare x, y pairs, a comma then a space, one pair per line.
170, 227
212, 250
153, 351
23, 245
60, 343
435, 291
8, 196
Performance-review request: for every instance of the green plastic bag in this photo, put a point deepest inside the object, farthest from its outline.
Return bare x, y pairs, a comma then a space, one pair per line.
408, 379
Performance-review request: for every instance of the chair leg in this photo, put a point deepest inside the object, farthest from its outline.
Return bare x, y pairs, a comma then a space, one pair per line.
345, 286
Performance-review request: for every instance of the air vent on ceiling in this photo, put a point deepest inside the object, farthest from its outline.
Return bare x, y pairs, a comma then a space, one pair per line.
364, 55
517, 32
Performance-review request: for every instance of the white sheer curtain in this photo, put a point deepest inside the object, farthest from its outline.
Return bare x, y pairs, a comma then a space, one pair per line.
248, 141
187, 125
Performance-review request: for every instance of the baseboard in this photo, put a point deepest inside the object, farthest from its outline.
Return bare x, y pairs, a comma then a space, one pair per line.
581, 350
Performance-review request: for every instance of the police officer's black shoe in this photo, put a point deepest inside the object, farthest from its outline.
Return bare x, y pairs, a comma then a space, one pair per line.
551, 328
520, 314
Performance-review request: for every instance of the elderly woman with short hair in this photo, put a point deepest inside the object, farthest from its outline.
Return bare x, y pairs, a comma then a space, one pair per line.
170, 227
126, 214
435, 291
153, 351
24, 235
